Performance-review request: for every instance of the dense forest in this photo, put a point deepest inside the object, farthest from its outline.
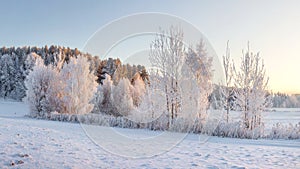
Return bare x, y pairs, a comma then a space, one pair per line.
16, 63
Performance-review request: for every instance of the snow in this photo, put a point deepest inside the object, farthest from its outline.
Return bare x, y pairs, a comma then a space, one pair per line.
52, 144
281, 115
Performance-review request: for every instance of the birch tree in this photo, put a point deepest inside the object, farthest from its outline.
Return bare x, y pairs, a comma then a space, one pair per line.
200, 66
41, 84
227, 92
79, 86
122, 97
167, 55
251, 84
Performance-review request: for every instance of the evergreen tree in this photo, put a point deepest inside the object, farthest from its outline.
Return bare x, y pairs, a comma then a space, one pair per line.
7, 76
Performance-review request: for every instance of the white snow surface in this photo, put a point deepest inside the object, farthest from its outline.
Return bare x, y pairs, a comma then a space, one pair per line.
51, 144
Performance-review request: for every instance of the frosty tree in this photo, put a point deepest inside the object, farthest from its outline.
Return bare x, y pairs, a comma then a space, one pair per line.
69, 90
40, 82
139, 89
122, 97
79, 86
226, 92
167, 55
103, 98
121, 72
97, 100
30, 62
7, 73
251, 85
184, 76
199, 64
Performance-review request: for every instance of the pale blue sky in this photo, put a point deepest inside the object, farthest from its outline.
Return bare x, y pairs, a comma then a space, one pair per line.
272, 27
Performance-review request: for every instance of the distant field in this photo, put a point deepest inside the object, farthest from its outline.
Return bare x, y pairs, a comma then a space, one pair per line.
273, 116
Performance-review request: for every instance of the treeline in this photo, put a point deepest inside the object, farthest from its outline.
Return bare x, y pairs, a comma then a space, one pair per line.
15, 65
14, 68
283, 100
278, 100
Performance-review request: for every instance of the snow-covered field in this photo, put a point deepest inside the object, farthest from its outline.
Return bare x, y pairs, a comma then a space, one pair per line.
275, 115
32, 143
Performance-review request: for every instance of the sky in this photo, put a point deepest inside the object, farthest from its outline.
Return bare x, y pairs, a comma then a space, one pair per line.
272, 27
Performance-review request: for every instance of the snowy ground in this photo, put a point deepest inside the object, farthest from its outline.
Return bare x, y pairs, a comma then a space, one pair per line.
275, 115
51, 144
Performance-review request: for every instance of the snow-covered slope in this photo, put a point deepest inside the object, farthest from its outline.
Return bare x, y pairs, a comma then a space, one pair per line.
31, 143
